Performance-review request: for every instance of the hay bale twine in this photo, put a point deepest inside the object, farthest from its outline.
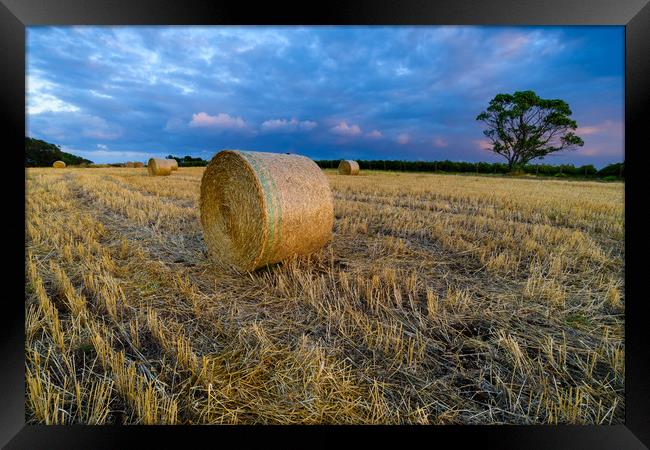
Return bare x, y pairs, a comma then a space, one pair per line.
174, 164
138, 164
159, 167
260, 208
348, 167
58, 165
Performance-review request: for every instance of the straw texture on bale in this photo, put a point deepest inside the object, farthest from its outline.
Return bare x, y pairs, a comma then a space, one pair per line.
58, 164
174, 164
260, 208
138, 164
157, 166
348, 167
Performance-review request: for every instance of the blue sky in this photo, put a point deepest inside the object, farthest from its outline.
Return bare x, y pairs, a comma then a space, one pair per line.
113, 94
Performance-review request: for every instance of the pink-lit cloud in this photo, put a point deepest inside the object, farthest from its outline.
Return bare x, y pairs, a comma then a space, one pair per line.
608, 126
374, 134
516, 44
221, 121
510, 44
483, 144
600, 150
403, 138
591, 151
440, 142
343, 129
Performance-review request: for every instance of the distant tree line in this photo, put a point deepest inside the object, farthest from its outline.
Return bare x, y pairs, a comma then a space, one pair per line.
188, 161
562, 170
43, 154
568, 170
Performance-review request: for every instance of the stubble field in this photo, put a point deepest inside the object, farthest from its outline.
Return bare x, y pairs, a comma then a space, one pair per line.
441, 299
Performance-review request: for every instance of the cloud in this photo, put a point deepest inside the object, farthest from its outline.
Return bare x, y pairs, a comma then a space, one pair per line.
403, 138
440, 142
343, 129
284, 125
483, 144
607, 126
40, 97
220, 121
510, 44
308, 125
44, 102
591, 151
374, 134
102, 147
99, 94
402, 70
587, 130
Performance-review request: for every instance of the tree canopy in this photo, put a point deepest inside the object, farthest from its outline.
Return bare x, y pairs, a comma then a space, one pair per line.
188, 161
43, 154
522, 126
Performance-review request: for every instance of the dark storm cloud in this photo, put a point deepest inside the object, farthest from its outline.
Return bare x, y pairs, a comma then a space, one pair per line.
115, 93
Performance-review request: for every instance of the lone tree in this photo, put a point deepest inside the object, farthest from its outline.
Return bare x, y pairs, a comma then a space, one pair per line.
523, 126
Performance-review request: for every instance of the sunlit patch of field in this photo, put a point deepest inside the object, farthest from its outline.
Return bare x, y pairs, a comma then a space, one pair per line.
441, 299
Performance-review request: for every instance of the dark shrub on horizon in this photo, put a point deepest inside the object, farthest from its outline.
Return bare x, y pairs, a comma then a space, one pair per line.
613, 170
39, 153
569, 170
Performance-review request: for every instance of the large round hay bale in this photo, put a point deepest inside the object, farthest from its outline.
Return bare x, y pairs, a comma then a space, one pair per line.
260, 208
174, 164
157, 167
348, 167
138, 164
58, 164
130, 164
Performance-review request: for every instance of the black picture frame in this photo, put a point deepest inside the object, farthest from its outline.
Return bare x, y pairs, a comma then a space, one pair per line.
16, 15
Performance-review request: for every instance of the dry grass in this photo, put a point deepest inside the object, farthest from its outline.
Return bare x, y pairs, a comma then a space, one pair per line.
442, 299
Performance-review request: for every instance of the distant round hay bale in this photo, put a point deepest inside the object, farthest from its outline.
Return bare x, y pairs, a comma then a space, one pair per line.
138, 164
260, 208
348, 167
130, 164
159, 167
58, 165
174, 164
